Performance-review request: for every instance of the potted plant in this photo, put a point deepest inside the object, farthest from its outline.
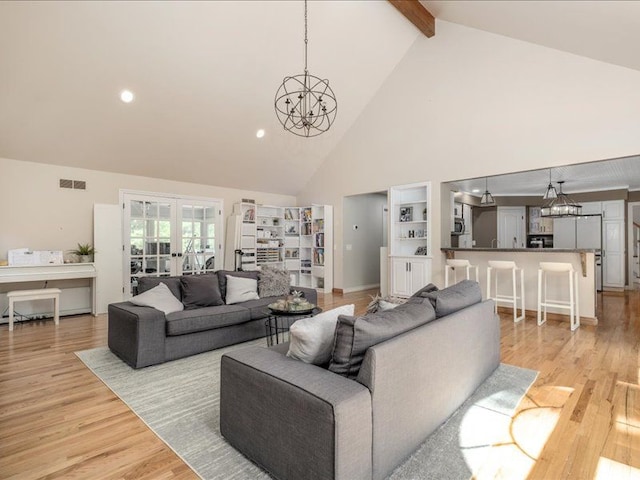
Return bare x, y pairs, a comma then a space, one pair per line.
84, 252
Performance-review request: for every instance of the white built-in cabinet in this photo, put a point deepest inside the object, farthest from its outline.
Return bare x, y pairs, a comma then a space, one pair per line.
409, 238
613, 239
298, 239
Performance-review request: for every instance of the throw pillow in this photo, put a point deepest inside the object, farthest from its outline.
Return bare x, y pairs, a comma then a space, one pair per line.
222, 279
160, 298
241, 289
311, 339
456, 297
355, 334
147, 283
379, 303
273, 282
200, 291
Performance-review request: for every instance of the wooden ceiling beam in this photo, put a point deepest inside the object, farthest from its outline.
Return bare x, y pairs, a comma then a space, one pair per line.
417, 14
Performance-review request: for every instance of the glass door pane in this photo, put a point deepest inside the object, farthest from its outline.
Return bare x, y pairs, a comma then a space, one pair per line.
199, 222
149, 235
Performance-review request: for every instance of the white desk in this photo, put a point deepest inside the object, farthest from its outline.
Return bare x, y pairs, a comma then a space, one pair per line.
38, 273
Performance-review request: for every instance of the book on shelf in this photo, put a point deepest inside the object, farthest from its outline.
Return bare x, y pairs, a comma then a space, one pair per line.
319, 239
318, 225
318, 256
306, 229
306, 214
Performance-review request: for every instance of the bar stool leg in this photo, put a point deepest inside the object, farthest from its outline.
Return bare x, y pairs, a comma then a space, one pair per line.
446, 276
477, 268
577, 302
488, 283
522, 291
515, 298
540, 322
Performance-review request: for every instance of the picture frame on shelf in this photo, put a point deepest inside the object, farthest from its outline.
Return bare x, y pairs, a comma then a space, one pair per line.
406, 214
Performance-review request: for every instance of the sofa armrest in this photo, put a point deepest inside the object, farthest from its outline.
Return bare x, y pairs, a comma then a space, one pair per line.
293, 419
137, 334
309, 293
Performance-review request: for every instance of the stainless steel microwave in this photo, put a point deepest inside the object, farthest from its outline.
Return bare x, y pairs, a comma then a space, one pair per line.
458, 226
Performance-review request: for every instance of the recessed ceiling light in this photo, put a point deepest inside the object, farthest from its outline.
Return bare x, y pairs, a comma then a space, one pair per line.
475, 190
260, 133
126, 96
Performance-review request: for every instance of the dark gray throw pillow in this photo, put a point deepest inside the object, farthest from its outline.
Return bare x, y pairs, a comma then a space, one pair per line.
222, 279
456, 297
147, 283
200, 291
354, 335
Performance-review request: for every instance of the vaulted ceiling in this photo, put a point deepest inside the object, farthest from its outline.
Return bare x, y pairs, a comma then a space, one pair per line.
205, 75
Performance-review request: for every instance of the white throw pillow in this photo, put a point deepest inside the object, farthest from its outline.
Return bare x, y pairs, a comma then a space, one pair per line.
311, 339
240, 289
160, 298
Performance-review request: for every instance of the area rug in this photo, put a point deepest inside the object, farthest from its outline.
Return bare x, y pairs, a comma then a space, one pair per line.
179, 401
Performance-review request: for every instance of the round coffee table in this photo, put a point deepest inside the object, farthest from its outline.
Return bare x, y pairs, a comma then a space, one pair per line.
278, 323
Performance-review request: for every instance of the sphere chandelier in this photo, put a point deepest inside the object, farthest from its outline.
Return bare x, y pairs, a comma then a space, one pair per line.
305, 104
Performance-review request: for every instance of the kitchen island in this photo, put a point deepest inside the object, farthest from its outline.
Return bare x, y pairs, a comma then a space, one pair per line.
583, 260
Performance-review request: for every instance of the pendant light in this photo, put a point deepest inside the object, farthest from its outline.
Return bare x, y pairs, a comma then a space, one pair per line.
551, 190
305, 104
487, 199
561, 206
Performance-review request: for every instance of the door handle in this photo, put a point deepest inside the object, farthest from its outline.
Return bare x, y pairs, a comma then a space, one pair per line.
174, 254
179, 254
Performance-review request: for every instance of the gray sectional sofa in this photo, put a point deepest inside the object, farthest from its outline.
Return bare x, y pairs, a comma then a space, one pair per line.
299, 420
143, 336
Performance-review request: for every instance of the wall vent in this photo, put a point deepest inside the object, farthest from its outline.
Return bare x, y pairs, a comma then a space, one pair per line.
64, 183
79, 184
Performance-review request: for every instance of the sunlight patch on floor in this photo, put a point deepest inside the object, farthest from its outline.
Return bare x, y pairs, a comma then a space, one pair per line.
610, 469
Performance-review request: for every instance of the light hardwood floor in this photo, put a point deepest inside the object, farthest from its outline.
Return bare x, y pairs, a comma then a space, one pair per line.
581, 419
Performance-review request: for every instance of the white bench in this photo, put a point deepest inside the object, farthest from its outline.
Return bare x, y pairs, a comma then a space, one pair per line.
42, 294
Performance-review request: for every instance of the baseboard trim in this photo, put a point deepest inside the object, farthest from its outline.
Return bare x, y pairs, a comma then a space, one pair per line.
533, 315
338, 291
360, 288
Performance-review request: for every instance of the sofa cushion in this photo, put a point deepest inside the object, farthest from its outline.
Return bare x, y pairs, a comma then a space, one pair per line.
147, 283
354, 335
200, 291
258, 308
273, 282
456, 297
205, 318
160, 298
222, 279
241, 289
311, 339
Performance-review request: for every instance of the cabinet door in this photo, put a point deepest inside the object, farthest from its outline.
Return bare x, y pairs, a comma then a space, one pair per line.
419, 272
613, 260
591, 208
400, 277
613, 210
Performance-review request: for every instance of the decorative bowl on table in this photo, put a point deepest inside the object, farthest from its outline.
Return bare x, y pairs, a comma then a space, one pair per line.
296, 305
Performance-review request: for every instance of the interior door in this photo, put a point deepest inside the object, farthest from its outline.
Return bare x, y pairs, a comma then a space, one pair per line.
200, 239
511, 227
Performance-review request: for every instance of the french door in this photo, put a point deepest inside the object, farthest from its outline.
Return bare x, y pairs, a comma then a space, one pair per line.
166, 236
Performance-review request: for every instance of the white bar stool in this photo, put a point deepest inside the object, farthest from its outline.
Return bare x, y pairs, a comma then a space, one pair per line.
506, 266
572, 305
455, 263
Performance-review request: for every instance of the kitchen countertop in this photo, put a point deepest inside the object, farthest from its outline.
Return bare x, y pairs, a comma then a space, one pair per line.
526, 250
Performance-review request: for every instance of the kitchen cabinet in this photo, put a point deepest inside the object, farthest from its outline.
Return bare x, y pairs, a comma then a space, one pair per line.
538, 225
409, 274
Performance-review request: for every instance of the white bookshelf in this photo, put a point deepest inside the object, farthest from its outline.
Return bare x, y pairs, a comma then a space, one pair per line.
298, 239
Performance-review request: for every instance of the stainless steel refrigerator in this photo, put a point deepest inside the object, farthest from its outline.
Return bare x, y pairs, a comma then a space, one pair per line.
580, 232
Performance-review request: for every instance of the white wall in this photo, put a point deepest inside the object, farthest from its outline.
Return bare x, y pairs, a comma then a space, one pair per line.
36, 213
362, 261
467, 103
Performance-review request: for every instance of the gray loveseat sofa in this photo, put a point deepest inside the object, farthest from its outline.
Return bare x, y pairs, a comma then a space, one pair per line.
143, 336
298, 420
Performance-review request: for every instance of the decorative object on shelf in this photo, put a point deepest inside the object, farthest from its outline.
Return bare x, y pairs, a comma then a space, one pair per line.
406, 214
551, 190
84, 252
487, 199
421, 251
305, 104
561, 206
